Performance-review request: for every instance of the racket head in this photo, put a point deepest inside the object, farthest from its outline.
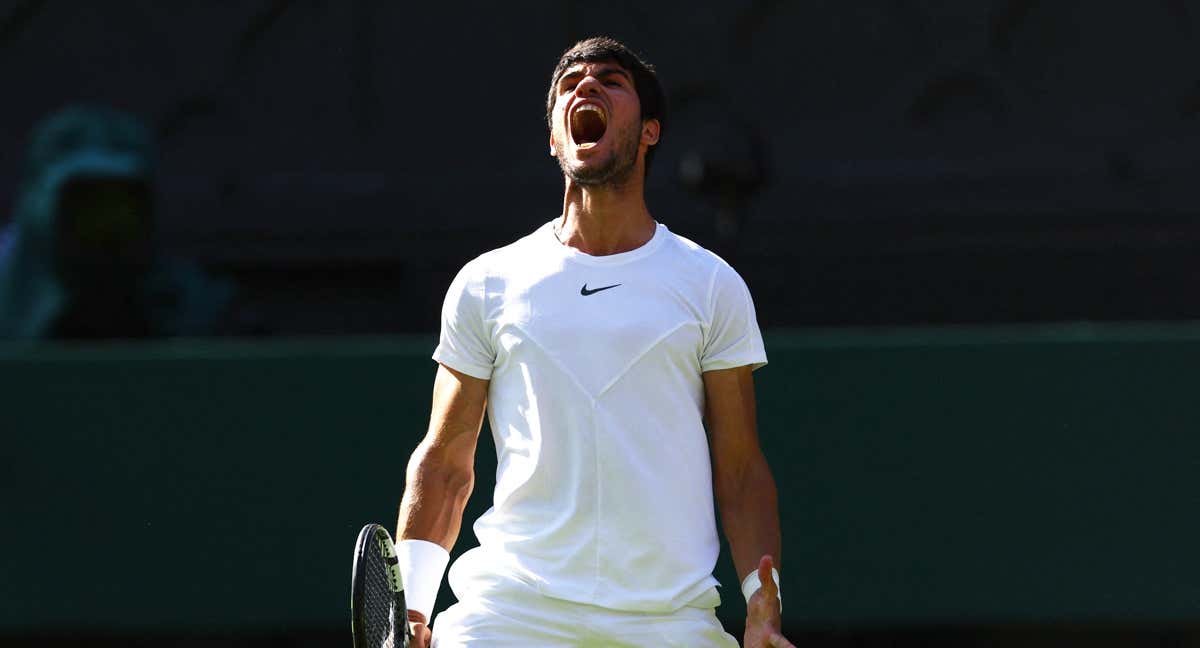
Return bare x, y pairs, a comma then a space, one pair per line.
378, 616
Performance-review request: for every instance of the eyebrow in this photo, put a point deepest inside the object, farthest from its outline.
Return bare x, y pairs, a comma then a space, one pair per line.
603, 73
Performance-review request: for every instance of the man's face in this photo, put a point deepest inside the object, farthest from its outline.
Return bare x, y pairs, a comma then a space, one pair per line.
104, 231
596, 127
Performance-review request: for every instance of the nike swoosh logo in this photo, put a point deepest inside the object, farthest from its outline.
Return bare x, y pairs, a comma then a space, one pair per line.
585, 291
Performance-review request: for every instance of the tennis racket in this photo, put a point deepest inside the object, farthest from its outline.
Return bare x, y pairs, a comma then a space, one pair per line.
378, 617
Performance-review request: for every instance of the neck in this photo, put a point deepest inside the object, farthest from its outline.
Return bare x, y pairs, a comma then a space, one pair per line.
604, 220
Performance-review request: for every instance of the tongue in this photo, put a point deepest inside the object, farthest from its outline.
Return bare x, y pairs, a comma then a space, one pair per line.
587, 127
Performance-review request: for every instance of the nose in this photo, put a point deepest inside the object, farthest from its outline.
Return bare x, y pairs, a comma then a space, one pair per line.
588, 86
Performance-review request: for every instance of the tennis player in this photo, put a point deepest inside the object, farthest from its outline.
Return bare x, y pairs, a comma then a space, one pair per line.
602, 346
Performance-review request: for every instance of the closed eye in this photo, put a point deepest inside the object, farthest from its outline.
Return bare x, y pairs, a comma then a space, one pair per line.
611, 77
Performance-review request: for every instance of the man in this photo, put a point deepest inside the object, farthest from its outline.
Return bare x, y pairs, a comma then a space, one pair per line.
78, 260
602, 345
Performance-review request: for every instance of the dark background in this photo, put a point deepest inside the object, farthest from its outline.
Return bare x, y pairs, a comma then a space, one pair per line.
920, 162
866, 166
978, 487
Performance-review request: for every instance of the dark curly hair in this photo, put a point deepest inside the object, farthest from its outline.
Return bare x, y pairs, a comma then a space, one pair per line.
645, 79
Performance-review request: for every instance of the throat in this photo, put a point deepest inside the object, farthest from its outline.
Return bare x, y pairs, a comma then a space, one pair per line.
587, 128
604, 234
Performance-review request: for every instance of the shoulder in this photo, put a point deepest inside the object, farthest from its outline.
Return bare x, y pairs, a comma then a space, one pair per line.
503, 260
701, 261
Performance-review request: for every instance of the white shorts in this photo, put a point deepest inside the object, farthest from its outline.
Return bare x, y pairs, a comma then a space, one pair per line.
508, 613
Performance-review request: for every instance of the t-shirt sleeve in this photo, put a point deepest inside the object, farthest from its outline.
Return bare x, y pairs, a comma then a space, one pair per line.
732, 338
464, 343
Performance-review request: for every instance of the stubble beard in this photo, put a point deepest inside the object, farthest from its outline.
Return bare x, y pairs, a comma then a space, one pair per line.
614, 171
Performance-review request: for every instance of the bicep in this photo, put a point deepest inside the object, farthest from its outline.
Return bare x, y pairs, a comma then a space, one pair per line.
459, 401
731, 420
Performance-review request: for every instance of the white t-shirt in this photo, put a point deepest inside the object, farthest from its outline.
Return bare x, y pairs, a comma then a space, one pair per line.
603, 483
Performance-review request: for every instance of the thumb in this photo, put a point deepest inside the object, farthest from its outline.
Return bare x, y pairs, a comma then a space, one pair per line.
765, 565
419, 626
422, 637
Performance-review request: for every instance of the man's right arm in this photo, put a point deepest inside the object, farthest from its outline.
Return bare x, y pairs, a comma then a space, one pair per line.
441, 472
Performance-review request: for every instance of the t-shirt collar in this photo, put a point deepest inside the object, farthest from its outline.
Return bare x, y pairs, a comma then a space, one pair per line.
546, 234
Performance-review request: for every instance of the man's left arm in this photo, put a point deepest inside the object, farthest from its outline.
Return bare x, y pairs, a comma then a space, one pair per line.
746, 496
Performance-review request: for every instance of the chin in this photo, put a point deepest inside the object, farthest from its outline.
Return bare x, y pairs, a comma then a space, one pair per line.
593, 171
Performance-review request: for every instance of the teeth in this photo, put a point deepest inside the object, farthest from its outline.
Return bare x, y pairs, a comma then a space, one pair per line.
594, 108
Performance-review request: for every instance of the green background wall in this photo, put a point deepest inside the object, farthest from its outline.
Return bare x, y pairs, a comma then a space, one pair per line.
1021, 475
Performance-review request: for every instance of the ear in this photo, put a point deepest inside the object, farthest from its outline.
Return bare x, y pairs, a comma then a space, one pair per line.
650, 131
553, 146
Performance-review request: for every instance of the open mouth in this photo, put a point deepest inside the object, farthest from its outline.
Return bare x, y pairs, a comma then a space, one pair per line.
588, 123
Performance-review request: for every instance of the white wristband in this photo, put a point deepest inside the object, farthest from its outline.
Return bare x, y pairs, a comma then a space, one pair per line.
422, 564
752, 584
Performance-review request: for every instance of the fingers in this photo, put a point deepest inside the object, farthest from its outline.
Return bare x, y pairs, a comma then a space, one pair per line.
419, 626
766, 638
422, 636
777, 641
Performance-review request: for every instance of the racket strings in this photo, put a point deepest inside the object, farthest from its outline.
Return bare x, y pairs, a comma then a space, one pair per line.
380, 602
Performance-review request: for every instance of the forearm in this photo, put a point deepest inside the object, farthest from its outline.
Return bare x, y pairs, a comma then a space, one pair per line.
435, 495
749, 508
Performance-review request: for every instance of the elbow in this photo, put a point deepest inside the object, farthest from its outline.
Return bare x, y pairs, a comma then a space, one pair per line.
460, 482
431, 471
750, 483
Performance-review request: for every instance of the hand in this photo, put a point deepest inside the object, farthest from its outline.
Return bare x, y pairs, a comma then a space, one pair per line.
762, 612
422, 635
